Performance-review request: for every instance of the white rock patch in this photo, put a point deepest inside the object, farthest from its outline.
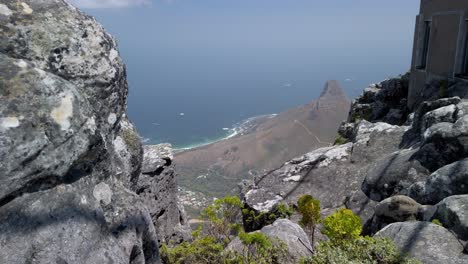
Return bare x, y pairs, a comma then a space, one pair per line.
62, 114
267, 205
21, 63
26, 8
113, 54
91, 124
336, 153
295, 178
103, 193
4, 10
112, 118
9, 122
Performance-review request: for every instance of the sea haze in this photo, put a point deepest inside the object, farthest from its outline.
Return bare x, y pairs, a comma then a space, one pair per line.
196, 67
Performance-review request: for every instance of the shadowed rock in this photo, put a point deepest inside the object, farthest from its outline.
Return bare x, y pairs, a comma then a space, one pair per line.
69, 156
429, 243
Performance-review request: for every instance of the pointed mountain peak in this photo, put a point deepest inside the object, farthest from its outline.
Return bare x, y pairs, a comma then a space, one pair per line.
332, 89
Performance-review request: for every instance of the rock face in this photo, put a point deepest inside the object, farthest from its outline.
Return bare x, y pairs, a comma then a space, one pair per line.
452, 212
429, 243
397, 208
157, 186
289, 233
332, 174
392, 167
448, 180
70, 159
385, 101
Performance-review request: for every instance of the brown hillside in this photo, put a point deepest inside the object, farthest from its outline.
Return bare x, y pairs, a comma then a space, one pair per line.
216, 169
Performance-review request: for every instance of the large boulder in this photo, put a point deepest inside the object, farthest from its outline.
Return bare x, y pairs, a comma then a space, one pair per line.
291, 234
447, 181
157, 186
392, 174
398, 208
423, 118
77, 223
427, 242
69, 156
385, 101
452, 212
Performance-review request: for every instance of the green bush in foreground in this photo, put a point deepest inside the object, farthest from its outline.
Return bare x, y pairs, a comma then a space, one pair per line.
255, 220
309, 208
223, 218
222, 225
342, 225
259, 249
362, 250
343, 228
202, 250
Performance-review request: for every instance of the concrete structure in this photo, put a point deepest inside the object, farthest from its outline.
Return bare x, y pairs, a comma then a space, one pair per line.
440, 51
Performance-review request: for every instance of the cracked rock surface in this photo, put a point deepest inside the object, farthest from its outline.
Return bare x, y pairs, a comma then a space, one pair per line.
70, 159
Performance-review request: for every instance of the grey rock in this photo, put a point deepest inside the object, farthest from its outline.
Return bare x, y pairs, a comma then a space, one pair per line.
287, 232
157, 186
428, 106
397, 208
369, 95
58, 38
427, 242
77, 223
392, 174
443, 114
128, 155
447, 181
452, 212
69, 156
442, 130
444, 143
332, 174
346, 130
293, 235
45, 127
394, 89
385, 102
461, 125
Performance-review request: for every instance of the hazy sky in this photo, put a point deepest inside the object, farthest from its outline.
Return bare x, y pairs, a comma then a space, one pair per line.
223, 60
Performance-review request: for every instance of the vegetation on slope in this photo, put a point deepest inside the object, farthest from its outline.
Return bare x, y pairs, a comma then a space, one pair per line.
223, 224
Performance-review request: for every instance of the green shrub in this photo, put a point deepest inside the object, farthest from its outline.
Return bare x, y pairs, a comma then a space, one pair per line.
437, 222
132, 140
254, 220
223, 218
259, 249
341, 225
222, 223
362, 250
340, 140
309, 208
202, 250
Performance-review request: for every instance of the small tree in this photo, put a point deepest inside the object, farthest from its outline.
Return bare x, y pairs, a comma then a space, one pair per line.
223, 218
309, 208
342, 225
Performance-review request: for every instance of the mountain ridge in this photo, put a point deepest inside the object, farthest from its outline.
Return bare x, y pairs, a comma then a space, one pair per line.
272, 142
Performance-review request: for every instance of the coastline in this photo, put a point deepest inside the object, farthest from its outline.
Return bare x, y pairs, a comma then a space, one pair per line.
239, 129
